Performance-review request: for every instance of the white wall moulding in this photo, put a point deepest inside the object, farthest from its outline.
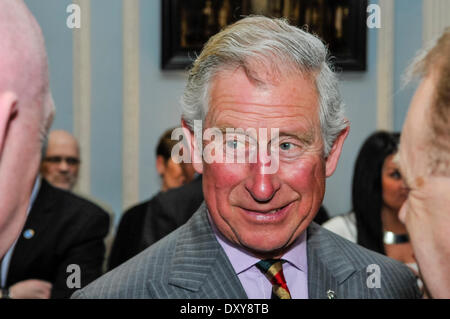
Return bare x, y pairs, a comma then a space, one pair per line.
436, 16
130, 151
82, 93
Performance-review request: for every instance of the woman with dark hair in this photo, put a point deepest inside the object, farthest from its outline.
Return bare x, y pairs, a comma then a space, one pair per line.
378, 194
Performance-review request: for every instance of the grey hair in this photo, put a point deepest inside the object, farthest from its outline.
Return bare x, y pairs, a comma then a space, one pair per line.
257, 41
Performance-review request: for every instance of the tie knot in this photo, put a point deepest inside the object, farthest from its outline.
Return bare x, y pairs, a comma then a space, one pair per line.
266, 264
273, 269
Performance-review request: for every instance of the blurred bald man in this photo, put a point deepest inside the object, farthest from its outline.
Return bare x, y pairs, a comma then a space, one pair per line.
60, 166
26, 112
61, 162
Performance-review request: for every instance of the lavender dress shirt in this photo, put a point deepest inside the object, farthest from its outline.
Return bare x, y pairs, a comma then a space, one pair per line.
255, 283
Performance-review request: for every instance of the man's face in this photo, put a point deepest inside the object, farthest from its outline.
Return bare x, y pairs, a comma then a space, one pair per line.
172, 173
61, 163
265, 212
426, 210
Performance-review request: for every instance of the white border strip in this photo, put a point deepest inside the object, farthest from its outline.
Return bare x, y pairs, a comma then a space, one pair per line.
436, 16
385, 67
82, 93
131, 102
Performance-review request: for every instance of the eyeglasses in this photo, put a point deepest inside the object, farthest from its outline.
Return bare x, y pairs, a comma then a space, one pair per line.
58, 159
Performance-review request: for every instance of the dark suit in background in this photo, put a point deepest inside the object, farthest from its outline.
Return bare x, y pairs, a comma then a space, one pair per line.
148, 222
67, 230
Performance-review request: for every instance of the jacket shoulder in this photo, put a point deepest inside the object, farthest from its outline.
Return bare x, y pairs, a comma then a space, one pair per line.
372, 275
130, 280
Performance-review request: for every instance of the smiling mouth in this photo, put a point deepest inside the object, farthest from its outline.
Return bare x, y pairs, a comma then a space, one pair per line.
272, 211
271, 215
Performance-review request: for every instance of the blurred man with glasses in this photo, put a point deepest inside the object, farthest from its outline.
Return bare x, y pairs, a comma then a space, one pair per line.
61, 160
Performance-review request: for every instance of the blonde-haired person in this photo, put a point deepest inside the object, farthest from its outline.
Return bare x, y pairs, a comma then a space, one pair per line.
424, 159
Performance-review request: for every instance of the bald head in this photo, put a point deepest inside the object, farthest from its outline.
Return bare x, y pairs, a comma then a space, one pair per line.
26, 111
23, 60
61, 162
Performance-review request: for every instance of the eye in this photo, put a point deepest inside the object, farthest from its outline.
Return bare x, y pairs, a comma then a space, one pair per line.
232, 144
286, 146
235, 144
396, 174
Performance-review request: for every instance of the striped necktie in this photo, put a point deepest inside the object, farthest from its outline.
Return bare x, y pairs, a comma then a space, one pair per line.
273, 269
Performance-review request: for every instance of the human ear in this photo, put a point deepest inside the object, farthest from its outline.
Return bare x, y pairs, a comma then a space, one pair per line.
196, 156
8, 111
335, 152
160, 164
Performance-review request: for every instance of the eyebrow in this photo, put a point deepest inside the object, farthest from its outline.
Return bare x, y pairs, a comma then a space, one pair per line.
304, 138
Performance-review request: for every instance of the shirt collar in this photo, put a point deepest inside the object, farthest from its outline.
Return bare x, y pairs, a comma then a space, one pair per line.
34, 192
241, 260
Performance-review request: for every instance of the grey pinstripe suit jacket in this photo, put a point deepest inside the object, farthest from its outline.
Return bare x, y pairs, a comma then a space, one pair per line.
190, 263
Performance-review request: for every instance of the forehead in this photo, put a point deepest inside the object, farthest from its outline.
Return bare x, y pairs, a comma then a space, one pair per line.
389, 161
65, 147
416, 128
237, 101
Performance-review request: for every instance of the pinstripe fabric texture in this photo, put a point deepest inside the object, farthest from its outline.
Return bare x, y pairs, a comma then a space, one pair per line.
189, 263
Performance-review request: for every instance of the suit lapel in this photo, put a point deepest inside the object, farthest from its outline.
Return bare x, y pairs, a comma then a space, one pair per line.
201, 269
35, 225
327, 266
200, 265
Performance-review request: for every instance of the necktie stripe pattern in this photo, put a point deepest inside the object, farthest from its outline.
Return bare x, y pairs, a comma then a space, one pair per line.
273, 269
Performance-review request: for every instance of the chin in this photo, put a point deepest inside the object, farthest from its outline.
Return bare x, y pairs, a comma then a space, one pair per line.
63, 186
260, 246
267, 252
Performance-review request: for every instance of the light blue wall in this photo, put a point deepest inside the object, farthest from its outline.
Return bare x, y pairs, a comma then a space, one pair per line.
106, 103
160, 92
359, 90
106, 116
408, 40
51, 16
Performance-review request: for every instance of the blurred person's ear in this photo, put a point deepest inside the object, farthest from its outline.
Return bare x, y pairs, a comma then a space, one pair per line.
8, 111
160, 164
188, 171
335, 152
196, 154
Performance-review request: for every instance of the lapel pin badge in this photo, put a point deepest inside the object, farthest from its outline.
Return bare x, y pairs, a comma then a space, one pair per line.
29, 233
331, 294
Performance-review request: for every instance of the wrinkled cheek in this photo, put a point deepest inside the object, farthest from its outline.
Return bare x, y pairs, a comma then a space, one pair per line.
305, 177
225, 175
308, 180
220, 179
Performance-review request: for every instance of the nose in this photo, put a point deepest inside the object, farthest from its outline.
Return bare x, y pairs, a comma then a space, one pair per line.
261, 185
63, 166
